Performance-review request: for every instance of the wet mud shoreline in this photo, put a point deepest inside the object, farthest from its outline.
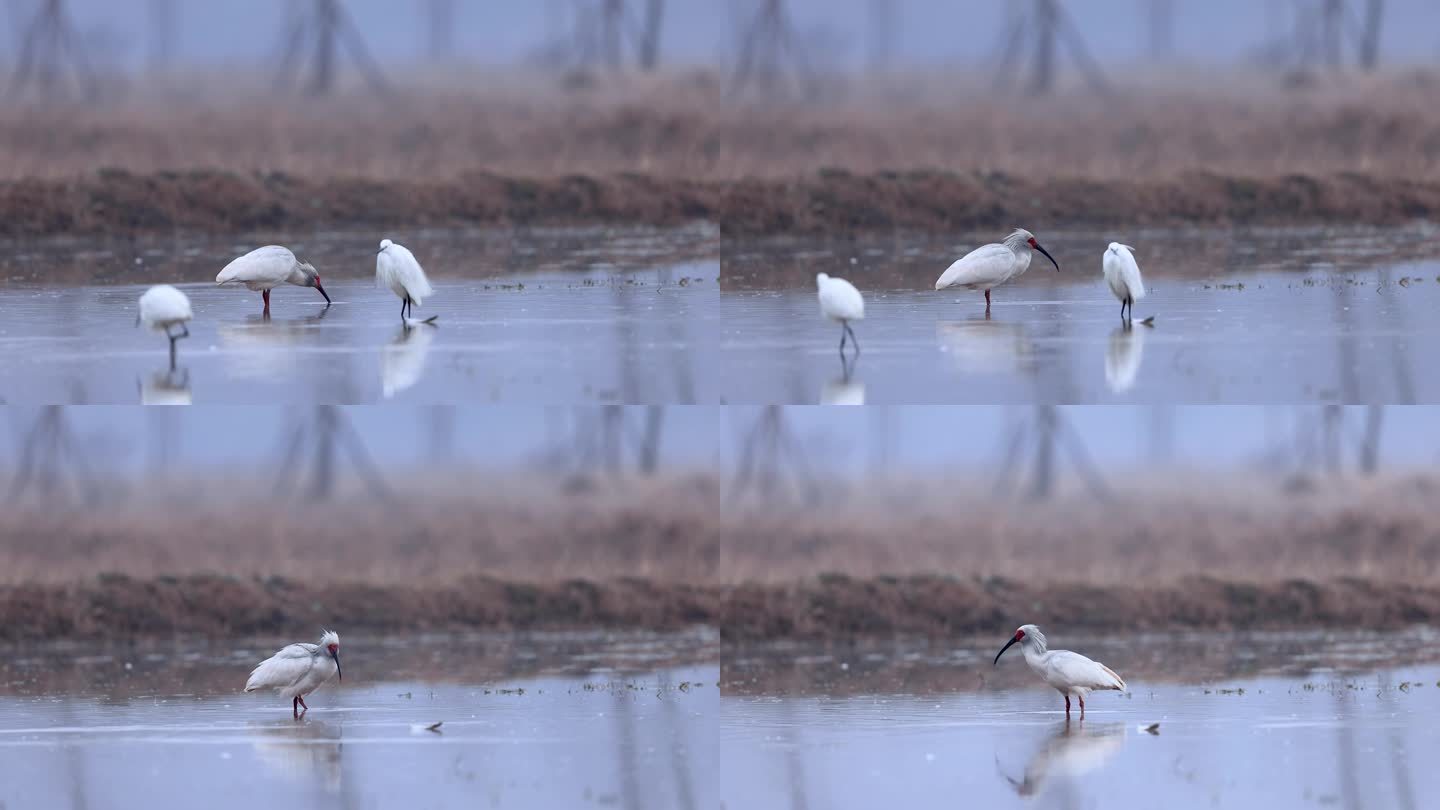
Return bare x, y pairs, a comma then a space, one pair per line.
837, 607
828, 608
117, 607
830, 201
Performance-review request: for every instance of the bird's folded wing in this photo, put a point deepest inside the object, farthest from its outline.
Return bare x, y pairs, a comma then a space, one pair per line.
283, 668
988, 264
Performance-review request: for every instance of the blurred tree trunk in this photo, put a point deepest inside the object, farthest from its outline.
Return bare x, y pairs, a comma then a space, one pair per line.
1370, 440
1370, 35
649, 455
650, 35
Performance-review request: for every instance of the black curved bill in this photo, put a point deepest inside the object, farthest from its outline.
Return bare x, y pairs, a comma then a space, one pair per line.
338, 673
1006, 647
1048, 256
327, 295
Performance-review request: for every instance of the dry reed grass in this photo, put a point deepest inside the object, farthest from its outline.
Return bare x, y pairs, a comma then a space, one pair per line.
438, 531
684, 126
1159, 527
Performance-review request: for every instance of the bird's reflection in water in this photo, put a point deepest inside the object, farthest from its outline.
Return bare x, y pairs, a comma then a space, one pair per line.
262, 349
982, 346
845, 390
307, 752
1069, 750
169, 387
402, 360
1122, 357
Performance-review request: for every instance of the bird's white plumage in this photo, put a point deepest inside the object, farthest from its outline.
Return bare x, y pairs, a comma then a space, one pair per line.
163, 306
984, 268
989, 266
298, 669
1071, 673
1122, 274
397, 270
263, 268
839, 300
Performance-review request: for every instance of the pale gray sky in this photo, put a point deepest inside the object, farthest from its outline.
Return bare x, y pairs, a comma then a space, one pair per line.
927, 32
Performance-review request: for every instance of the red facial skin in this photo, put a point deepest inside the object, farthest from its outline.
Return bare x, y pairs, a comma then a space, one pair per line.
1019, 635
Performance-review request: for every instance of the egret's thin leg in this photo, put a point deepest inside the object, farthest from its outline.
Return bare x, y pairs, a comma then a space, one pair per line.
172, 352
842, 340
301, 698
266, 297
1082, 707
1067, 707
295, 707
853, 339
184, 331
987, 300
402, 308
1122, 309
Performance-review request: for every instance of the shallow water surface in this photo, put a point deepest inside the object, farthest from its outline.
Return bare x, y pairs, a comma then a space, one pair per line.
558, 317
536, 338
593, 723
1241, 723
1239, 318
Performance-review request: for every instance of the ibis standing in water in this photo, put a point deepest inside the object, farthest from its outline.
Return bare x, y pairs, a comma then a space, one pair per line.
396, 268
299, 669
1070, 673
989, 266
163, 308
1122, 275
841, 302
263, 269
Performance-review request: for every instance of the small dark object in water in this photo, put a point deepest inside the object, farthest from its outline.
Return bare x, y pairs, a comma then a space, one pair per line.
1153, 728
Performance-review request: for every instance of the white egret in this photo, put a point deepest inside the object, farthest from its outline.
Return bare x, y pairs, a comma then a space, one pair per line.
1122, 274
1069, 673
840, 301
989, 266
396, 268
263, 269
162, 308
299, 669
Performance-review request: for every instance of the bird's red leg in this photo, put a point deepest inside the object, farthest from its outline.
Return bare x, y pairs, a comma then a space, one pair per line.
1082, 707
307, 708
1067, 705
266, 296
987, 300
295, 707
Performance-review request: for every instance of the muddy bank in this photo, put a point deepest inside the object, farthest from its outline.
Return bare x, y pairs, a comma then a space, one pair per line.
120, 202
837, 607
834, 202
830, 608
118, 607
837, 202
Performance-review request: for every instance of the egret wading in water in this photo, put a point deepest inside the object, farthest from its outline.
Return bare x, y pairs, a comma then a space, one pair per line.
840, 301
396, 268
299, 669
989, 266
162, 308
1070, 673
1122, 275
263, 269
